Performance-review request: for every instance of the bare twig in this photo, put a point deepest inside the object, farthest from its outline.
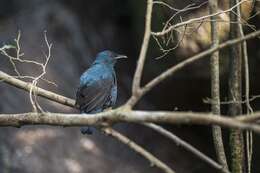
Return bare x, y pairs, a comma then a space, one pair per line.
199, 19
19, 58
169, 72
142, 56
32, 94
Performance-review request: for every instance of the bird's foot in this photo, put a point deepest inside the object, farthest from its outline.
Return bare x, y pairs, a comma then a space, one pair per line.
87, 130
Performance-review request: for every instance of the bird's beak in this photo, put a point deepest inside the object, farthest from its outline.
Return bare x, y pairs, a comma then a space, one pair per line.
120, 57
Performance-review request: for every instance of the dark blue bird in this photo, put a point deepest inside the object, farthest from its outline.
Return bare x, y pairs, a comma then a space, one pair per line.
98, 86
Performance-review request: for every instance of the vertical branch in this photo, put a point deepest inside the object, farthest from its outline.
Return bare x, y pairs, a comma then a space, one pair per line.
140, 64
249, 110
235, 80
215, 86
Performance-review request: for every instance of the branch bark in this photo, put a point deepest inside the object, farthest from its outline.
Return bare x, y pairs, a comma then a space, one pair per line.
235, 92
249, 110
124, 115
215, 86
141, 60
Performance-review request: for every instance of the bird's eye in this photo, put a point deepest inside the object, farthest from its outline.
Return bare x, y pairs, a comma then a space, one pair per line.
82, 95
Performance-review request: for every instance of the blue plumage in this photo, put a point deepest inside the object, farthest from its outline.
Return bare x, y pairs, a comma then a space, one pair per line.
98, 86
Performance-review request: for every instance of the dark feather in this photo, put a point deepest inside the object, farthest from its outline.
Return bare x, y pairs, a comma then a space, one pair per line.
94, 96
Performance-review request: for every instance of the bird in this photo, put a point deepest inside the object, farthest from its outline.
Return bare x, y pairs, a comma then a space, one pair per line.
97, 89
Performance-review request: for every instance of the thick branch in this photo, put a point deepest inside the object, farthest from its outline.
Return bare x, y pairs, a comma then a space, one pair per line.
124, 115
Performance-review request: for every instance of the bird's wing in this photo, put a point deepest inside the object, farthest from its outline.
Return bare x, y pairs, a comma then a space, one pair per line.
92, 97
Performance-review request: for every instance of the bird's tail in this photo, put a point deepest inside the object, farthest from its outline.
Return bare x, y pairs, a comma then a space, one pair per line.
87, 130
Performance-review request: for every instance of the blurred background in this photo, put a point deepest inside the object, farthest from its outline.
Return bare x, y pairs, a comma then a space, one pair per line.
78, 30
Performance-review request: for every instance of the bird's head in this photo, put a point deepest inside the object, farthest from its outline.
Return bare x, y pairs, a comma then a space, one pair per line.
108, 57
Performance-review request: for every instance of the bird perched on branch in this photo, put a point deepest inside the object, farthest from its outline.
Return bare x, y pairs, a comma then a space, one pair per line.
98, 86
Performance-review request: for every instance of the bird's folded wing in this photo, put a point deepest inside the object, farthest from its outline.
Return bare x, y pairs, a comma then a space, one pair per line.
92, 97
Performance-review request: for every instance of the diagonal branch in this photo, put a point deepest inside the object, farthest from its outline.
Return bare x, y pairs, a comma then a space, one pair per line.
140, 64
169, 72
123, 139
37, 90
185, 145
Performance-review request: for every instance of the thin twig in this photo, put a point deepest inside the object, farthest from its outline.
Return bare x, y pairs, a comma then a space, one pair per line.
33, 97
169, 29
169, 72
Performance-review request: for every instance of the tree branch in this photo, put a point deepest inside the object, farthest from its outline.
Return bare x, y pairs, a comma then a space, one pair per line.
199, 19
36, 90
140, 64
169, 72
179, 142
124, 115
235, 93
153, 160
215, 86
